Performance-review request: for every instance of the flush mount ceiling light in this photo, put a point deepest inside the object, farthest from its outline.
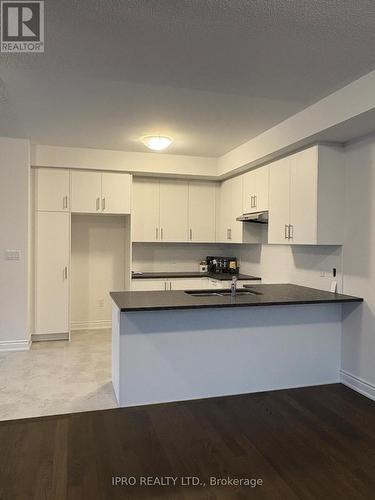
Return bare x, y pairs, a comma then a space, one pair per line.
157, 142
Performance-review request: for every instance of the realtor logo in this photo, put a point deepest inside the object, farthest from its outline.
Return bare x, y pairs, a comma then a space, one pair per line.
22, 26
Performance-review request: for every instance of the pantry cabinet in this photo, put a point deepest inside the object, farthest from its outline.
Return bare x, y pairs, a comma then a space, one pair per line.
256, 190
52, 189
52, 256
306, 198
100, 192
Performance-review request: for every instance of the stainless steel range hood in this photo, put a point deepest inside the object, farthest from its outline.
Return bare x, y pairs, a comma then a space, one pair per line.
256, 217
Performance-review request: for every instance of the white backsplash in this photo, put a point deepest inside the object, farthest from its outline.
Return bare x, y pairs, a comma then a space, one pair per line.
158, 257
301, 265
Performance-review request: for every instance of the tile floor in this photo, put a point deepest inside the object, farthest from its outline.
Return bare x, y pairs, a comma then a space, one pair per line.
58, 377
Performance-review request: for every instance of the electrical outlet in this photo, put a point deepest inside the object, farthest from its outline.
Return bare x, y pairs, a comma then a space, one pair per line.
323, 274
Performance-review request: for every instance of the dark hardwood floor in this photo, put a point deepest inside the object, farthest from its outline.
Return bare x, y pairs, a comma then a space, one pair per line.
311, 443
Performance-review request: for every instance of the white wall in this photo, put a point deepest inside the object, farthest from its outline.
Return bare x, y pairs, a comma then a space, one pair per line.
301, 265
174, 257
142, 163
14, 234
98, 267
358, 348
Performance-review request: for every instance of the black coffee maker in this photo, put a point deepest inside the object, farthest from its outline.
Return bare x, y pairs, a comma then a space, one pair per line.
222, 265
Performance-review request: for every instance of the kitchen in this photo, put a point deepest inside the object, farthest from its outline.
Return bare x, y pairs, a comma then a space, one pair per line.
186, 282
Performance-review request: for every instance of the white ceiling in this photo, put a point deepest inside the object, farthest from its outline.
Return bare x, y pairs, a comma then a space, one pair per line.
212, 74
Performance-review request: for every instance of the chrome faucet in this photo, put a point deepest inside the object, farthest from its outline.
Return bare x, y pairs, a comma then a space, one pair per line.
233, 286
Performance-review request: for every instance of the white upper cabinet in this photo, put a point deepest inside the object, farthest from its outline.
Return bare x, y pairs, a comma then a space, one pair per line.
256, 190
52, 189
86, 189
173, 211
229, 230
279, 209
145, 210
174, 199
306, 198
97, 192
116, 193
202, 206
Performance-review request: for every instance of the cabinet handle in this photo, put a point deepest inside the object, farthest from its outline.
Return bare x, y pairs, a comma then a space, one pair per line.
97, 204
170, 285
191, 234
291, 231
103, 204
165, 285
255, 201
161, 233
65, 272
229, 233
156, 233
286, 231
65, 202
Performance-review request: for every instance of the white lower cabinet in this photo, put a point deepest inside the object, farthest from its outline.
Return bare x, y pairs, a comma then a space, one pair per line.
212, 283
52, 271
187, 283
146, 284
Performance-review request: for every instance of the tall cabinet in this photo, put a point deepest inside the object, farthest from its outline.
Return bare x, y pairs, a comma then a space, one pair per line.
58, 193
52, 251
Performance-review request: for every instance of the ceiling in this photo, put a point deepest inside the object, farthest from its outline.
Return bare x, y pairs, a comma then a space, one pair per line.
212, 74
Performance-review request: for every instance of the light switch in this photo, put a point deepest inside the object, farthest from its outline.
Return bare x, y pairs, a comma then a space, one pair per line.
12, 255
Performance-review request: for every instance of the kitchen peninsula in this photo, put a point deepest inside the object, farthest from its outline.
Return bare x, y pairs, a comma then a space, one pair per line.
179, 345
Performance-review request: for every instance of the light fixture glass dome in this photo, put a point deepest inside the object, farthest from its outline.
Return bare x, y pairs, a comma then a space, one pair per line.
157, 142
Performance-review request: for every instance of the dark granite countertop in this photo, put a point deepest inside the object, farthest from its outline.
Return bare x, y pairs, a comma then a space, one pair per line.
267, 295
192, 274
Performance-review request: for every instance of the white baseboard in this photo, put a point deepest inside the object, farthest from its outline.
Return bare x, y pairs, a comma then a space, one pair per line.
42, 337
358, 384
14, 345
91, 325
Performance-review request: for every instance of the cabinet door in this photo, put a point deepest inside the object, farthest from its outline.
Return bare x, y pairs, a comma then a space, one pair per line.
236, 227
249, 192
52, 272
304, 197
279, 210
224, 212
187, 283
115, 193
262, 189
52, 189
86, 188
145, 285
202, 212
174, 210
145, 210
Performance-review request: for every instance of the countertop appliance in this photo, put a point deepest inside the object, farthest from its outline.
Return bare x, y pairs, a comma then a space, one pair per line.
222, 265
256, 217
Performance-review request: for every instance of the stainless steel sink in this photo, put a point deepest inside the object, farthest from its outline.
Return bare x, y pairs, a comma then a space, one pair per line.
220, 293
